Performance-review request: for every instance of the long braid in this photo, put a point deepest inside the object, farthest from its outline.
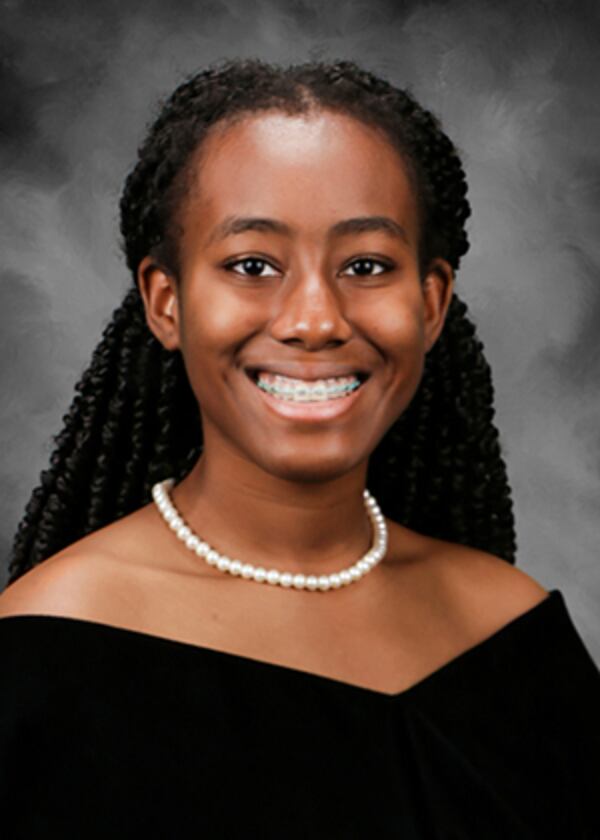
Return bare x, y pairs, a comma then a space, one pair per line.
135, 420
134, 467
112, 425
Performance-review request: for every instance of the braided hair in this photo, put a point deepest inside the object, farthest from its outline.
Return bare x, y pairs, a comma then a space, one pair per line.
438, 469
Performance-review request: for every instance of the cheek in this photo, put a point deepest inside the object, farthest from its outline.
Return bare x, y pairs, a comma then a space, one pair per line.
216, 325
399, 332
395, 327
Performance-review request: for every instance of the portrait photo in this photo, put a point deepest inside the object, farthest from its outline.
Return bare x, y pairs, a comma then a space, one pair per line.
300, 314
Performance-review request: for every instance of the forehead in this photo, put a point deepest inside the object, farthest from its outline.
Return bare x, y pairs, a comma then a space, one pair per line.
309, 170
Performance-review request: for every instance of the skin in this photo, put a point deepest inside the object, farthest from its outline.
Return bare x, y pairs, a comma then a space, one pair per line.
295, 488
278, 492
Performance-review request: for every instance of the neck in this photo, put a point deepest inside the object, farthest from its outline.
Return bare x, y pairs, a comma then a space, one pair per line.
258, 518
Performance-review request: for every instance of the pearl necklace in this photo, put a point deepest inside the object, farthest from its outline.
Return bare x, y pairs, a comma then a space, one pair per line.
160, 494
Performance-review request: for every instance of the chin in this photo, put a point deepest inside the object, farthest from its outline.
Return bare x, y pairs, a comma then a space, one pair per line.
305, 469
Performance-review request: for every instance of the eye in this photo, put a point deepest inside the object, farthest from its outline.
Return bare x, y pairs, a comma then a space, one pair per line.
366, 265
252, 267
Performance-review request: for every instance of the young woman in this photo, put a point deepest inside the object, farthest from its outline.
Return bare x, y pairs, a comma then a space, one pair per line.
210, 628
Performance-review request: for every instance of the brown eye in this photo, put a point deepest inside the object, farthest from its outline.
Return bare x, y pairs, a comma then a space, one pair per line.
365, 266
252, 267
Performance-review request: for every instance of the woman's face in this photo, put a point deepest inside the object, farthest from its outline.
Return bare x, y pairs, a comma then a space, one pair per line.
299, 260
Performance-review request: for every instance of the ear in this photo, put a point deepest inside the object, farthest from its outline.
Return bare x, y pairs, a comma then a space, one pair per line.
161, 302
438, 287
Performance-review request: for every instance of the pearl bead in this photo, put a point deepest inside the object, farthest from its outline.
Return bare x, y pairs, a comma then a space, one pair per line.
160, 494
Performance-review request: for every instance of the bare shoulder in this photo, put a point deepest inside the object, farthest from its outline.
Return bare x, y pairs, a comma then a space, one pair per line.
474, 591
71, 584
484, 591
90, 578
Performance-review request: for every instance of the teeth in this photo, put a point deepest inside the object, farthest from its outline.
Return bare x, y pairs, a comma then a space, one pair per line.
301, 390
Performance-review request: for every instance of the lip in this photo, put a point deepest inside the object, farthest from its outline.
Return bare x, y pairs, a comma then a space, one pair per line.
307, 372
316, 412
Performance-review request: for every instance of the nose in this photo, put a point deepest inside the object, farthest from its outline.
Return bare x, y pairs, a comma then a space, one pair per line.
310, 312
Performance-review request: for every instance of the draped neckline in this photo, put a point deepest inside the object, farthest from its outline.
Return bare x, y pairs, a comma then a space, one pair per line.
552, 600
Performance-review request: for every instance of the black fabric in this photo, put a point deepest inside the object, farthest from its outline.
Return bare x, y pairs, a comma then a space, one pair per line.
113, 733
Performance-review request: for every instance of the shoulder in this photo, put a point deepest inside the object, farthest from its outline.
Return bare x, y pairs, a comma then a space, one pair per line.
482, 590
72, 583
97, 576
475, 591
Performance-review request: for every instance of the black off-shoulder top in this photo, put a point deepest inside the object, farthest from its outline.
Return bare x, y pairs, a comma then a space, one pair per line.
107, 732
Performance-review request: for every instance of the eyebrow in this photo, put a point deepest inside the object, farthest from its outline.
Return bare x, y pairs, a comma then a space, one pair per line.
359, 224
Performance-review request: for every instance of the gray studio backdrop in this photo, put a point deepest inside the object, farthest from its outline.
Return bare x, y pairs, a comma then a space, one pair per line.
515, 85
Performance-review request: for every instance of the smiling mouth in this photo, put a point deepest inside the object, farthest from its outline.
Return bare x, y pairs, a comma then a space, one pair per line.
293, 390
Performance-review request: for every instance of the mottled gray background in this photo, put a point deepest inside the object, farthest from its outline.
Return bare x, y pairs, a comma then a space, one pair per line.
516, 86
